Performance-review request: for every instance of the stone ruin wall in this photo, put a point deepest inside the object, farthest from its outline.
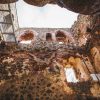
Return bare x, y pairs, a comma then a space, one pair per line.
79, 29
2, 14
40, 38
8, 28
41, 32
81, 35
76, 62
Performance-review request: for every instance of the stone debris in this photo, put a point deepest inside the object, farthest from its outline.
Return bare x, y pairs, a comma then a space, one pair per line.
96, 58
39, 74
95, 89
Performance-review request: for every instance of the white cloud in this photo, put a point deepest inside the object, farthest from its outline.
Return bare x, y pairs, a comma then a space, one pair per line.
48, 16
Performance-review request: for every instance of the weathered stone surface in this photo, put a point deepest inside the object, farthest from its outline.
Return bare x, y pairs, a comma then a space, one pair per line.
95, 90
83, 6
38, 2
87, 7
96, 58
79, 66
8, 28
15, 83
7, 1
79, 29
62, 35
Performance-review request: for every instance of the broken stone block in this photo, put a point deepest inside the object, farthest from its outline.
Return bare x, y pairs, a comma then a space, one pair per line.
83, 74
95, 90
96, 58
8, 60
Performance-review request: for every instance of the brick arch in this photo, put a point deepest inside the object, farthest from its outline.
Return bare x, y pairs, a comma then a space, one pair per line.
49, 37
27, 35
60, 36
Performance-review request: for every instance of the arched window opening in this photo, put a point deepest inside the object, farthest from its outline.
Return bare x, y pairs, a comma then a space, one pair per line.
48, 36
26, 37
60, 36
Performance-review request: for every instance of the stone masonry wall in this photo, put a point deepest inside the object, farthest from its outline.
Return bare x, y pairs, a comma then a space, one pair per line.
13, 11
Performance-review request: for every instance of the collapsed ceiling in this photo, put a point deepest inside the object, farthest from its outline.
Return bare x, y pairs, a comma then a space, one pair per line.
87, 7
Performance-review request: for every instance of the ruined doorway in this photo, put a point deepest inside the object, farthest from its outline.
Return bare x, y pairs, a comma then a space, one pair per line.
60, 36
48, 37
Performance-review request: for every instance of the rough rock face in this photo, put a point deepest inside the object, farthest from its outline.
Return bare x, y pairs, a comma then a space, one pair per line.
7, 1
96, 58
95, 90
83, 21
79, 29
23, 76
86, 27
39, 3
87, 7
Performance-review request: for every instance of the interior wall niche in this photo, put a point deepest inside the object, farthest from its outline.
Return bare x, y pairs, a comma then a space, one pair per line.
48, 37
60, 36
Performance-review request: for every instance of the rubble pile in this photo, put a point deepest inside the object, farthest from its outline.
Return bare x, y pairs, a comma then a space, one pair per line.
39, 73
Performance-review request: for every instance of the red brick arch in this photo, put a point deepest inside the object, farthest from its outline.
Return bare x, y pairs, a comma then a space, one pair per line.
27, 35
